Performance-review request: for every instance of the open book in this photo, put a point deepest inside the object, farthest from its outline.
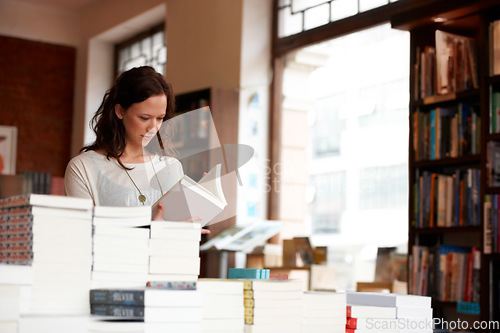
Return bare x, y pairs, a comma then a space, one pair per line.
189, 199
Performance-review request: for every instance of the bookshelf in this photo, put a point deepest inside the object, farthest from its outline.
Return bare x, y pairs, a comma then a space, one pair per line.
224, 105
451, 89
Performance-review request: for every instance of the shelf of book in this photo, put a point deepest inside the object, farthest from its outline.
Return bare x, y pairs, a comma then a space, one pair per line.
446, 230
436, 100
452, 104
448, 162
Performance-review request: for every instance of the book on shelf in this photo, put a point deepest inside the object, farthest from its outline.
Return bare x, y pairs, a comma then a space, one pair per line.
494, 47
447, 200
495, 112
189, 199
493, 163
491, 217
446, 132
456, 62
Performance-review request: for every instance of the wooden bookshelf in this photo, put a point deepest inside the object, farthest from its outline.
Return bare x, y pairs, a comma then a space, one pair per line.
470, 20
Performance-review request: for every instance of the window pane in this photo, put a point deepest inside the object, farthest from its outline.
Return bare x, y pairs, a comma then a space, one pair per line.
316, 16
343, 8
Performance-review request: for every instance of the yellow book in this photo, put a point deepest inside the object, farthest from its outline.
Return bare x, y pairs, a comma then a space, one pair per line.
248, 302
249, 320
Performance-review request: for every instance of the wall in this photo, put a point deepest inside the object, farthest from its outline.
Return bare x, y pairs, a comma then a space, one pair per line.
36, 95
204, 44
39, 23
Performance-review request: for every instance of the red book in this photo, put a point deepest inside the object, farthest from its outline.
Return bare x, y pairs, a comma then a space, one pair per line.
351, 323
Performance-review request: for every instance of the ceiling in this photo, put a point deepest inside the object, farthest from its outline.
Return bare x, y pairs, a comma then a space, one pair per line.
71, 5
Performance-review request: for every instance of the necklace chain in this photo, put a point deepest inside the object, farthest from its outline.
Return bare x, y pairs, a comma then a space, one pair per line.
142, 197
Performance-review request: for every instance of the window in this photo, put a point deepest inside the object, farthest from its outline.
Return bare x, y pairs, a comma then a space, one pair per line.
147, 48
353, 91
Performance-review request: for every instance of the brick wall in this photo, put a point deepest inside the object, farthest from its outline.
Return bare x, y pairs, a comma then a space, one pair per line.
36, 96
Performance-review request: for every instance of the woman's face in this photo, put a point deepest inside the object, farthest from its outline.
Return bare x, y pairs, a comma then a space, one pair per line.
142, 120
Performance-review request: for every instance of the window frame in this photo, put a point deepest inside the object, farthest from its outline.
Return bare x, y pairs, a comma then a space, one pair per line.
281, 46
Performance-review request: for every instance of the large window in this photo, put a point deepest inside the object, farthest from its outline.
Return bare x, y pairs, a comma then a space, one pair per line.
353, 91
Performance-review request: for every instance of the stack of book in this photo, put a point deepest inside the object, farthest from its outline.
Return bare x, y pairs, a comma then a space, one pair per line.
223, 309
36, 229
323, 312
15, 288
371, 312
273, 306
174, 307
174, 251
120, 246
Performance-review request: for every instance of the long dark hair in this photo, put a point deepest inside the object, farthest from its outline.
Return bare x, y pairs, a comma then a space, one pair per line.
133, 86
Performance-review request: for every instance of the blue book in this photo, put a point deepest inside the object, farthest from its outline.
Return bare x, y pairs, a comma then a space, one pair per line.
247, 273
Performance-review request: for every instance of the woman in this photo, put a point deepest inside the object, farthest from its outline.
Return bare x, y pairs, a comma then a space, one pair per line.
118, 169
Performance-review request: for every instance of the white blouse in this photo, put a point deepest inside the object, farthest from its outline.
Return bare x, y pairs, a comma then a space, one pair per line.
92, 175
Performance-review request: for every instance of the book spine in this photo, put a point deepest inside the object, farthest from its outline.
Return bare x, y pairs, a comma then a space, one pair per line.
132, 312
117, 297
172, 285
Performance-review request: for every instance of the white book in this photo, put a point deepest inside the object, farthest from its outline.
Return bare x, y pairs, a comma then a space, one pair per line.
414, 313
123, 212
266, 320
54, 324
275, 328
173, 277
179, 234
189, 199
44, 200
185, 248
122, 259
120, 267
9, 326
174, 265
172, 314
124, 222
105, 324
368, 311
220, 286
221, 300
121, 241
16, 274
227, 312
223, 325
387, 299
131, 232
277, 312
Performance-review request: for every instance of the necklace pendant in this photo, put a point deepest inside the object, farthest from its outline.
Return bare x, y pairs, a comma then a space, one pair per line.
142, 198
